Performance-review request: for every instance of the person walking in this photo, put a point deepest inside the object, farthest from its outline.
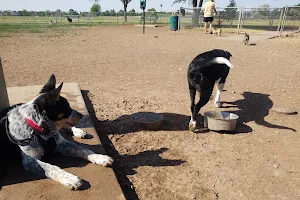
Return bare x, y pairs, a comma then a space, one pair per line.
209, 9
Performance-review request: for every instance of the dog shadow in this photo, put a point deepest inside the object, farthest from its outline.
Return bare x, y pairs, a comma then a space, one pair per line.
122, 125
171, 122
147, 158
255, 107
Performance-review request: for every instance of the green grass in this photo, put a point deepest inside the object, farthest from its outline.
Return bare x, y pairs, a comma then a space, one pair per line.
41, 27
41, 24
3, 35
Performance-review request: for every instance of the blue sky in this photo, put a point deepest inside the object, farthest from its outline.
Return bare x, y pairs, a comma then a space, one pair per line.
84, 5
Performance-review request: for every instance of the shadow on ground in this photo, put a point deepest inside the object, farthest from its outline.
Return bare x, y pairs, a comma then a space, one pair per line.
255, 107
126, 164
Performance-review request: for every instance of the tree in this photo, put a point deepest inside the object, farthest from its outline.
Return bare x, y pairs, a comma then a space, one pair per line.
96, 8
106, 13
264, 10
196, 12
7, 13
230, 11
121, 12
24, 13
132, 12
295, 12
112, 13
125, 3
193, 2
72, 12
151, 10
47, 13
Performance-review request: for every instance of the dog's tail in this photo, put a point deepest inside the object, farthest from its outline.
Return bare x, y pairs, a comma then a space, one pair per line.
222, 60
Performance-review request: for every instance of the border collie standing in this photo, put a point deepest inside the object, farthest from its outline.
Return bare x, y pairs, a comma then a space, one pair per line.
31, 131
204, 71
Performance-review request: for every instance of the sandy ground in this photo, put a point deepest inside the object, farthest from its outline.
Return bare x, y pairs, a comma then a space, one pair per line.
122, 72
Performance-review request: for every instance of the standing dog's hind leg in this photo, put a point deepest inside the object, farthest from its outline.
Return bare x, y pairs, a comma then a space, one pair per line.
204, 98
220, 88
192, 124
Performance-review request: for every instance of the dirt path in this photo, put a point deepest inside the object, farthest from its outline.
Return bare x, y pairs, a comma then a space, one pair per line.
123, 72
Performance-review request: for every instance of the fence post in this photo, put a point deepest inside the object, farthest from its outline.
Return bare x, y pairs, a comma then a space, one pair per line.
283, 20
239, 22
3, 92
280, 21
117, 17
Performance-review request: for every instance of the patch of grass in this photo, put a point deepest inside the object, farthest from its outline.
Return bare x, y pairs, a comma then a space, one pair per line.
4, 35
17, 28
43, 27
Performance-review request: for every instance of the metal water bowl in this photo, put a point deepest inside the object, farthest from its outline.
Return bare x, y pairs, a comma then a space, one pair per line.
220, 120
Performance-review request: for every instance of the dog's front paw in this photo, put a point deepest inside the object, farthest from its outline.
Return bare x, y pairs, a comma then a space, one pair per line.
101, 159
192, 126
77, 132
71, 181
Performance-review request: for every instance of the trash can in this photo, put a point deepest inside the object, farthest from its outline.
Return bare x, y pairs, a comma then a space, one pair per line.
174, 22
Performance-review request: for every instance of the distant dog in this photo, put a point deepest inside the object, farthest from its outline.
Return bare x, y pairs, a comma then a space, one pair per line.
217, 32
203, 72
246, 39
31, 131
69, 19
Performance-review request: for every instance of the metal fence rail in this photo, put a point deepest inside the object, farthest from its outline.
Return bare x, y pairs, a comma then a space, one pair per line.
231, 19
261, 20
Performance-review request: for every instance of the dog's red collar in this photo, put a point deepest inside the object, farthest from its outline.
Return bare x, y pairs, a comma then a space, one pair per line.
35, 126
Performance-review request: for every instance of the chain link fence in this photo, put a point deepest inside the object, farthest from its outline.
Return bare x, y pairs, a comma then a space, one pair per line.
259, 19
238, 20
230, 19
84, 17
290, 20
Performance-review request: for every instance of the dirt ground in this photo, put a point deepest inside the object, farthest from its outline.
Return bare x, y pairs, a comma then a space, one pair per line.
122, 72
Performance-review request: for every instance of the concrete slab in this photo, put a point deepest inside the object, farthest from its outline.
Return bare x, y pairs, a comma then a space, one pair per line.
147, 25
102, 183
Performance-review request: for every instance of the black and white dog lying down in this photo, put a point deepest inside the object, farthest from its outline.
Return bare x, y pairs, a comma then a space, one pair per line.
31, 131
204, 71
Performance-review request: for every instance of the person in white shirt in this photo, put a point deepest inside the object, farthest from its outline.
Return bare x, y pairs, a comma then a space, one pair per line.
209, 8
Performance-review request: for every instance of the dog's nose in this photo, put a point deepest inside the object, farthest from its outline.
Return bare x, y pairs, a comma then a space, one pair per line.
74, 118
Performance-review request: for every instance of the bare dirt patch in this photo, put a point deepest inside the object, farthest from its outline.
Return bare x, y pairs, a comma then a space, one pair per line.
123, 72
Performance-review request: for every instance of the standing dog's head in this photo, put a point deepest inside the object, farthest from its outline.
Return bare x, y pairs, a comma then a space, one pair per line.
50, 102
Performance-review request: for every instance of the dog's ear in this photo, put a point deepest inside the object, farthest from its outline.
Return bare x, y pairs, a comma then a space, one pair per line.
228, 55
47, 99
50, 85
